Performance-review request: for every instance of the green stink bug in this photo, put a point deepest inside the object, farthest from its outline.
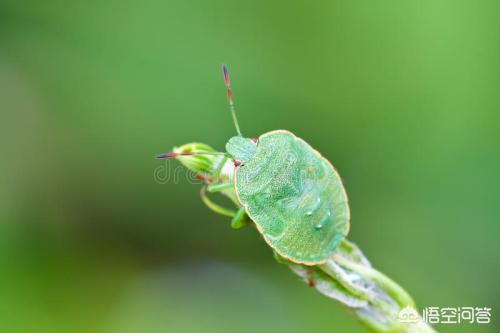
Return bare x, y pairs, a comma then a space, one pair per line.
293, 195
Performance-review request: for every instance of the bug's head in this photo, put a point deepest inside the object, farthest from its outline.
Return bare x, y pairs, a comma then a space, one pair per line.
241, 149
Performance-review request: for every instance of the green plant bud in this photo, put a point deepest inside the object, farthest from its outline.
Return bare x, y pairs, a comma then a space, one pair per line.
202, 164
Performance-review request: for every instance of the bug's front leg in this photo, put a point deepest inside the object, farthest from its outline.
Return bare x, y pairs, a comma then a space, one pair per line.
214, 188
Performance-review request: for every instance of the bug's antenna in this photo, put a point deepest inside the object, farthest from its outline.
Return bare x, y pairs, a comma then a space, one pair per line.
175, 155
230, 98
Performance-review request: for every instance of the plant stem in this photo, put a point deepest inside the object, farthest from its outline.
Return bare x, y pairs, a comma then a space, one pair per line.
396, 291
377, 301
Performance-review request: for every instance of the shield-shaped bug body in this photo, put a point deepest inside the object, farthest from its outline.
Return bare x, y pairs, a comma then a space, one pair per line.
293, 194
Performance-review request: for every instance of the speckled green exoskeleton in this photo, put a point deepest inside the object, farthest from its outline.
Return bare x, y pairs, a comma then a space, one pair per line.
294, 195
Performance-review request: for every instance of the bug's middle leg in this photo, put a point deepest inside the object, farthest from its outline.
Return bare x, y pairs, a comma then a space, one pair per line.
216, 207
239, 217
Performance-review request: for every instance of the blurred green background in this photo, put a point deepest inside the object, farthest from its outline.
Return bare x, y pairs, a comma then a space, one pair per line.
403, 98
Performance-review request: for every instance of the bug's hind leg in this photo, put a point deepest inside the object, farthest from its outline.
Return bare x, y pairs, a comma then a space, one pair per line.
240, 220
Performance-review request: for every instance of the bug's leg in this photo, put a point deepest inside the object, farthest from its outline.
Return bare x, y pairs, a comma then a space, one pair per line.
218, 182
240, 219
219, 168
215, 207
214, 188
